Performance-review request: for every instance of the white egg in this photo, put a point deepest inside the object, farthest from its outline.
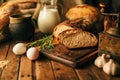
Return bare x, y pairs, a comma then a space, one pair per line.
32, 53
19, 48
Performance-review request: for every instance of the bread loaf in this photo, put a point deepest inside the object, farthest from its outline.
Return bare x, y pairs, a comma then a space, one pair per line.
27, 5
7, 9
84, 11
87, 17
60, 28
77, 38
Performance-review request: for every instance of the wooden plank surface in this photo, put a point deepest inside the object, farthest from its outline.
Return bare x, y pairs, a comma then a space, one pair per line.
63, 72
98, 72
11, 72
21, 68
25, 72
101, 75
43, 69
85, 73
3, 52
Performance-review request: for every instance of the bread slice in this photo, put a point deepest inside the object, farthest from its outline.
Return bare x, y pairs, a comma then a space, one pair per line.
60, 28
77, 38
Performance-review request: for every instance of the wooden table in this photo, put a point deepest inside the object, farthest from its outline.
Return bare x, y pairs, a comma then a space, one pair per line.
21, 68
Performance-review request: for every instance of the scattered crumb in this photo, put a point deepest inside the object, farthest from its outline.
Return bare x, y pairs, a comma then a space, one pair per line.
3, 63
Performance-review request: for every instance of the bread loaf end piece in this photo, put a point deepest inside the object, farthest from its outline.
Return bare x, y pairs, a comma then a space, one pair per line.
60, 28
77, 38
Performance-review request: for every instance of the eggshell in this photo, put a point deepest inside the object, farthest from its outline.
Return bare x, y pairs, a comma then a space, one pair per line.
19, 48
32, 53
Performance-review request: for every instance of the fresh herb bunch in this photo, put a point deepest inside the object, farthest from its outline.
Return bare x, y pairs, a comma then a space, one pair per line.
42, 43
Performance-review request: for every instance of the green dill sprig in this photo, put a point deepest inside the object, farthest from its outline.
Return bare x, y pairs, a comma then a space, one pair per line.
43, 43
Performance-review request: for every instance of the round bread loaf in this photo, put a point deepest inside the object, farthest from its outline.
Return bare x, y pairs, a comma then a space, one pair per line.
86, 17
84, 11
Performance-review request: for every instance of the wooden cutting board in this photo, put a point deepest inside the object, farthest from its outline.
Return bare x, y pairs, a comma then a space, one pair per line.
73, 58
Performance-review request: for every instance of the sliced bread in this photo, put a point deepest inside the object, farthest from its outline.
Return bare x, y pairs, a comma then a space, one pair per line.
60, 28
77, 38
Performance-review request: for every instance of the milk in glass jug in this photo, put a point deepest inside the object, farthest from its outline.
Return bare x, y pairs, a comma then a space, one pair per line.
48, 16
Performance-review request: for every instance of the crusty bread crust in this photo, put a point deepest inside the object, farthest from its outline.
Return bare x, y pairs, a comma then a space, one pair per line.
87, 17
6, 9
84, 11
60, 28
77, 38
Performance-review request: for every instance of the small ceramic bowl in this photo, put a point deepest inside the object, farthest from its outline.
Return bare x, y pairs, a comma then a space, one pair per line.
21, 27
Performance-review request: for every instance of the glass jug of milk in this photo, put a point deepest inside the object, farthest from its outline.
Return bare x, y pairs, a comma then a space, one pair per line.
48, 16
